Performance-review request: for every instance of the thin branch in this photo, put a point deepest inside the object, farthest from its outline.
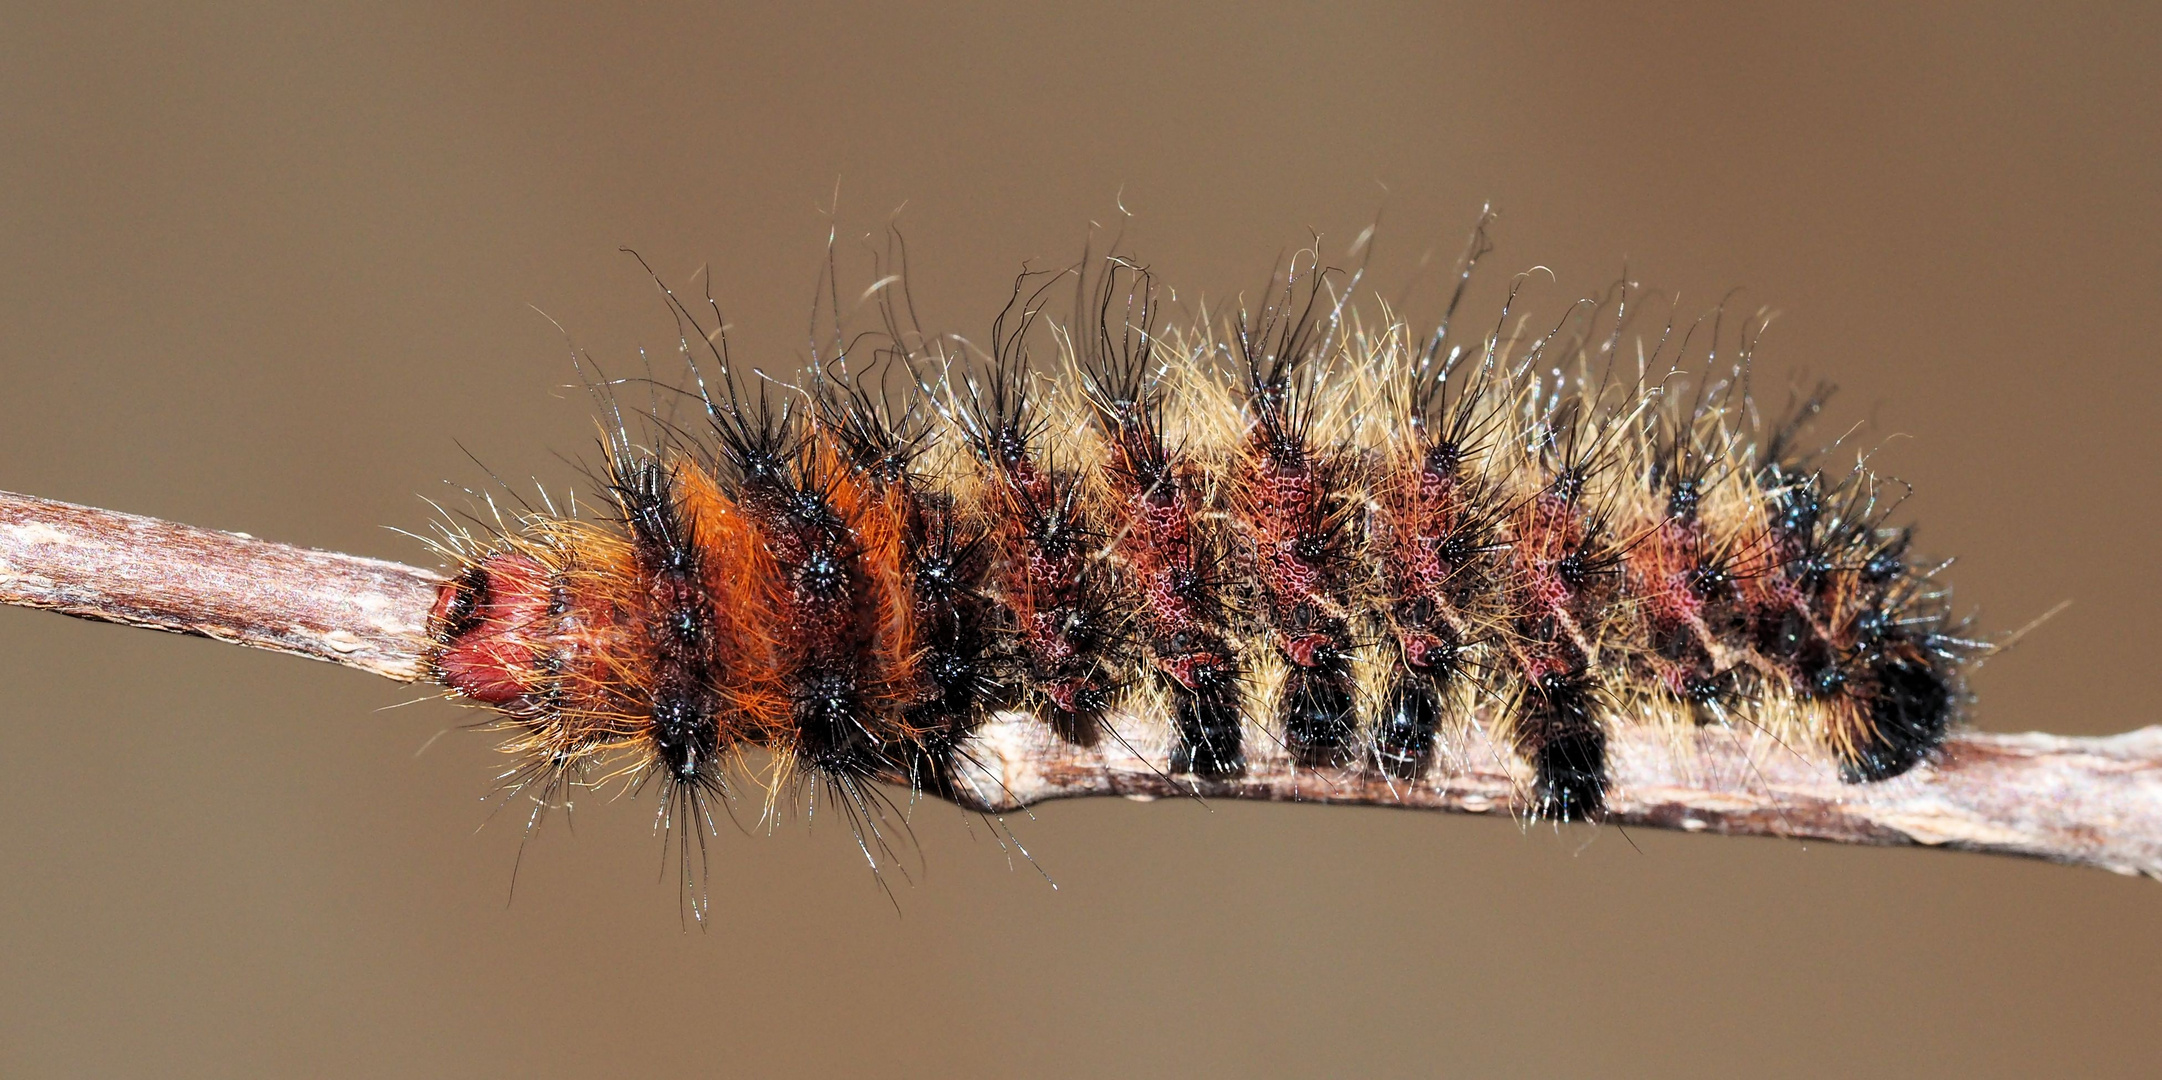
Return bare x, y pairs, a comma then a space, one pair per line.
98, 564
2088, 801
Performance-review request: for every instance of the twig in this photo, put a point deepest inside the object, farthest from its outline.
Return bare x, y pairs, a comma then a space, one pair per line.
2088, 801
98, 564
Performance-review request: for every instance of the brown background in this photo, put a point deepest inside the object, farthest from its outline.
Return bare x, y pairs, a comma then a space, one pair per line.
267, 271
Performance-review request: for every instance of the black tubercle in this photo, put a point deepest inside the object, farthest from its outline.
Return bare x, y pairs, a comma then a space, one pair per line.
999, 419
1684, 498
1888, 559
1796, 506
1278, 353
1082, 725
1570, 481
881, 438
1206, 720
754, 441
827, 709
1444, 459
1318, 714
1710, 693
1566, 744
685, 734
1910, 705
1712, 579
1116, 363
469, 591
1410, 719
640, 488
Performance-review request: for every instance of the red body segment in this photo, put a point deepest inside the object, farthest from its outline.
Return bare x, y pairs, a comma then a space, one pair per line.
1425, 509
496, 660
1546, 531
1296, 550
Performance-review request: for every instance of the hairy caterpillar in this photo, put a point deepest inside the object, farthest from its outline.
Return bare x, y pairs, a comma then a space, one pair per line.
1296, 536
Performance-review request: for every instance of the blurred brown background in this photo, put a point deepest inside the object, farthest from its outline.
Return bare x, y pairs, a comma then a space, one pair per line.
266, 270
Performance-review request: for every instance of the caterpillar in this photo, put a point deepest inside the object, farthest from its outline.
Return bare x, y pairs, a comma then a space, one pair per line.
1302, 534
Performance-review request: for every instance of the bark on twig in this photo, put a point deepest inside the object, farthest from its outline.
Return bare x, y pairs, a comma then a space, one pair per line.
98, 564
2090, 801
